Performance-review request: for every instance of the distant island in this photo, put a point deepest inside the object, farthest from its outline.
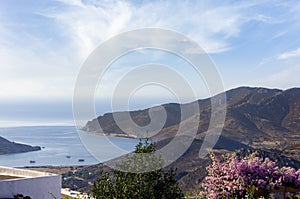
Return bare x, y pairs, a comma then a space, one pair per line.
8, 147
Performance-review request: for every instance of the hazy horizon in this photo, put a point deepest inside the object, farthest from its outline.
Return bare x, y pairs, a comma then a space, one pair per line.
43, 45
59, 113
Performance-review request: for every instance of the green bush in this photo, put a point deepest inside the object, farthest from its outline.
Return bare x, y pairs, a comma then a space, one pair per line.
160, 184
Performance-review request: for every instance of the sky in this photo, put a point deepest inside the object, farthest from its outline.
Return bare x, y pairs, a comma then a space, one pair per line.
43, 45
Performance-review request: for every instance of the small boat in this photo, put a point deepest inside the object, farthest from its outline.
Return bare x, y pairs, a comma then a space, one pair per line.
31, 161
68, 156
81, 160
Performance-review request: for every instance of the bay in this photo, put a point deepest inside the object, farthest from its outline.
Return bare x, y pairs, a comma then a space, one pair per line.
62, 146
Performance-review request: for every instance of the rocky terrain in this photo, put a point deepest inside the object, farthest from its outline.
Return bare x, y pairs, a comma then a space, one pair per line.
260, 119
7, 147
255, 116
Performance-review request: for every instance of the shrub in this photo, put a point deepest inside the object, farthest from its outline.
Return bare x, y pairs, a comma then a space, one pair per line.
125, 185
251, 176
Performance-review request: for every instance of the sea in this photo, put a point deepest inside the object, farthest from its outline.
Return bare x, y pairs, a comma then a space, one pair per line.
62, 146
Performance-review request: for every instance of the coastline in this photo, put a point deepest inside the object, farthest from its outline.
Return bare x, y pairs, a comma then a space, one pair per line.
130, 136
60, 143
55, 169
123, 135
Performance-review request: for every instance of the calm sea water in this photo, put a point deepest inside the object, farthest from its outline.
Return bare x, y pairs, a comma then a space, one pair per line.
58, 142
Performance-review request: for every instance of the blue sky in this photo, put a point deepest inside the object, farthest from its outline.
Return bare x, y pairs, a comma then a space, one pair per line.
44, 43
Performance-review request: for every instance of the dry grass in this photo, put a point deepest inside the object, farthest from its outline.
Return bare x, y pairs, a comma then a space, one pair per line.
4, 177
55, 170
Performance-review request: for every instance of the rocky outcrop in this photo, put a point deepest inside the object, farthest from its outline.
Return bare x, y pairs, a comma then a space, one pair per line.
254, 115
7, 147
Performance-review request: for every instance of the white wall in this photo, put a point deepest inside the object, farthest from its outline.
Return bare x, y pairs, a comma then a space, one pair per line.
35, 187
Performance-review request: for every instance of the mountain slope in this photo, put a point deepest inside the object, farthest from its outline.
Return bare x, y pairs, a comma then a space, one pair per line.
261, 119
254, 115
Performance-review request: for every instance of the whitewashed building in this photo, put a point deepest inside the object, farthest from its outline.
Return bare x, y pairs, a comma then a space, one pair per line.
37, 185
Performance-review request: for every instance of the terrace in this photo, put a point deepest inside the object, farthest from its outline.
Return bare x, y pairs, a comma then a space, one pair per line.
29, 183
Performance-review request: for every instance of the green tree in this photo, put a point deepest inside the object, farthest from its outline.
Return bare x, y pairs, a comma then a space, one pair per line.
127, 185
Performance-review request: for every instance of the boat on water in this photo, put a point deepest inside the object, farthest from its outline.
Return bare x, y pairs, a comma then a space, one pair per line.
31, 161
68, 156
81, 160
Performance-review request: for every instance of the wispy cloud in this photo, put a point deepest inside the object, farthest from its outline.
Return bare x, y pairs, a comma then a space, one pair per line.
289, 54
288, 77
43, 47
211, 25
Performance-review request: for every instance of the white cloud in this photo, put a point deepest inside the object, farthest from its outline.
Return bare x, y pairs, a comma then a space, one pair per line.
277, 73
33, 60
285, 78
210, 25
34, 70
289, 54
87, 25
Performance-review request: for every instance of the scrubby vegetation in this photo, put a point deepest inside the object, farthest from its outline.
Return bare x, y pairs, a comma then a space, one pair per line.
160, 184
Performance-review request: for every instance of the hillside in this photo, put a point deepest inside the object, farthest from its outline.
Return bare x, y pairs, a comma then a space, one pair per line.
261, 119
255, 116
190, 168
7, 147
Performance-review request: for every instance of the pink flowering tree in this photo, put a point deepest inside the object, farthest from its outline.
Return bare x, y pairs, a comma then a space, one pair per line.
249, 177
222, 179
